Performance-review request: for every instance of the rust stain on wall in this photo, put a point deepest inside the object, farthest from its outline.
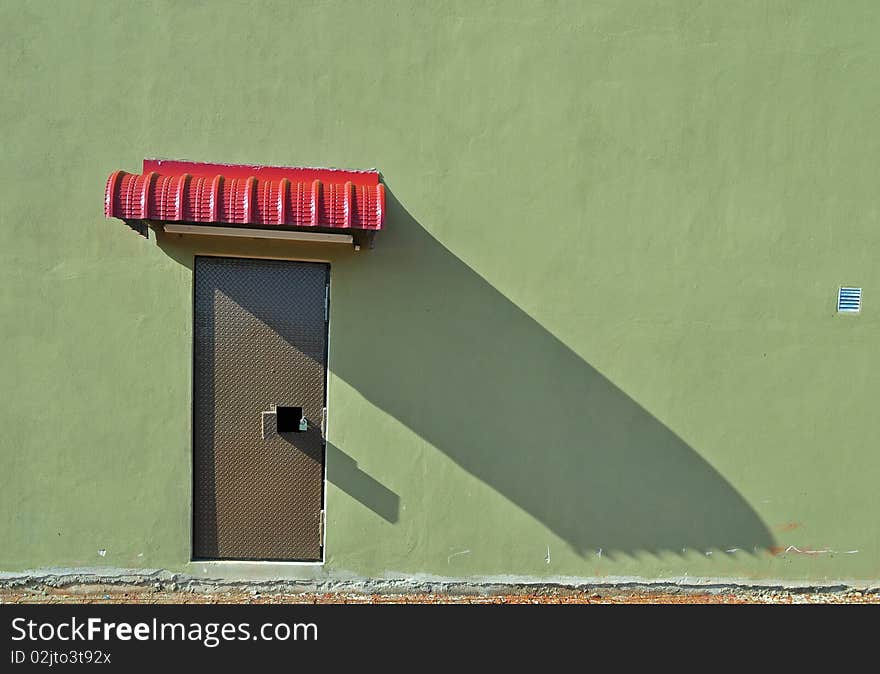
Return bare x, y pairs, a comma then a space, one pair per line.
788, 526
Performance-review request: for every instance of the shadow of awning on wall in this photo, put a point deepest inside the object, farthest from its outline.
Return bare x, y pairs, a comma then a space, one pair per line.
467, 370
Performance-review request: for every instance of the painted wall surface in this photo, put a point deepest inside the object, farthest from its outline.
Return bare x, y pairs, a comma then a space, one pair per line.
598, 337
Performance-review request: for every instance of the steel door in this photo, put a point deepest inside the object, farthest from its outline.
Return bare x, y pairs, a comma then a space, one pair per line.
260, 341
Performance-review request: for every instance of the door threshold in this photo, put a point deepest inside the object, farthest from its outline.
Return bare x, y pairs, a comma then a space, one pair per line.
254, 562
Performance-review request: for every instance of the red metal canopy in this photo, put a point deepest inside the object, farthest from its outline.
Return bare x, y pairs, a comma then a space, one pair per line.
261, 196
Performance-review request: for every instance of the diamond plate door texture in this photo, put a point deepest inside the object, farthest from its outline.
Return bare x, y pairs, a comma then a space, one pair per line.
260, 340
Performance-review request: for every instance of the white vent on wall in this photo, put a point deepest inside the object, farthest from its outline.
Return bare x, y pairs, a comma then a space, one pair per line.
849, 300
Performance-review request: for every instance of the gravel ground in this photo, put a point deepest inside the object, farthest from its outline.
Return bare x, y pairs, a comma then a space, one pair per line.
139, 595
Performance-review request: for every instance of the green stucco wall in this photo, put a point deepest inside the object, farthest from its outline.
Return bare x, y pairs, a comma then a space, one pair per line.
597, 338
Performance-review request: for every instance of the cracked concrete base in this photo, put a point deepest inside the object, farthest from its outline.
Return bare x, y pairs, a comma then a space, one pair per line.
160, 579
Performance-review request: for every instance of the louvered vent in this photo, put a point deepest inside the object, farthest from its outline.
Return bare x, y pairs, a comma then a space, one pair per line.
849, 300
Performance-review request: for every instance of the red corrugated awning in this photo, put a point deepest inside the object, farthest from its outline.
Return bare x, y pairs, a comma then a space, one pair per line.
241, 195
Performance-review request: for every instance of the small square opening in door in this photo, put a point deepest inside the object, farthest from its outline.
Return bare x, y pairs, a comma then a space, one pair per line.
288, 419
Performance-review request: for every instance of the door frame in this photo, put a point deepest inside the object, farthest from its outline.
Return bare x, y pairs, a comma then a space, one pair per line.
237, 562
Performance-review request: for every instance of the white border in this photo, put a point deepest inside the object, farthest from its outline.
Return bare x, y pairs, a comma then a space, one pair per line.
245, 233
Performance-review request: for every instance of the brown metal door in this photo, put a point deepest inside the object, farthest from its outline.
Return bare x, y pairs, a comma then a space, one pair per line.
260, 341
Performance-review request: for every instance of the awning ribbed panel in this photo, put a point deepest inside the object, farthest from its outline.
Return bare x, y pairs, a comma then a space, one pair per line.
178, 191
